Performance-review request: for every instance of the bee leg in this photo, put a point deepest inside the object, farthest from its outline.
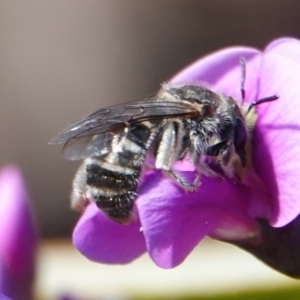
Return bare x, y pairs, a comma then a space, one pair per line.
209, 172
183, 182
202, 167
79, 199
79, 203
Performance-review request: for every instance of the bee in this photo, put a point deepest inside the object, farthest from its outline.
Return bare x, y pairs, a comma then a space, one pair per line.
181, 121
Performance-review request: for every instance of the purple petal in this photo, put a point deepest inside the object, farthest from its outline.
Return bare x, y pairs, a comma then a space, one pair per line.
3, 297
103, 240
18, 236
277, 133
174, 222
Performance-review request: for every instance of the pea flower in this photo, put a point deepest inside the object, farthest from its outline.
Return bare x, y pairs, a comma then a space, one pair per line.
17, 237
260, 216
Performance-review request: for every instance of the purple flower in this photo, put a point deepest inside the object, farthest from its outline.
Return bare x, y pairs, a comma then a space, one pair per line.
3, 297
17, 237
259, 216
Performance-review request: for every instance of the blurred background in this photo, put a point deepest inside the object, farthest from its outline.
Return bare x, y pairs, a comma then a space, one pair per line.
60, 60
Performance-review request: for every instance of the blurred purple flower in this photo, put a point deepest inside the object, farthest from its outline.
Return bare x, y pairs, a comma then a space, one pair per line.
17, 237
3, 297
261, 216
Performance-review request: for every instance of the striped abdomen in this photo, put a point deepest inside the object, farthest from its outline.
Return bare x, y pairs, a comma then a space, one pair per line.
112, 180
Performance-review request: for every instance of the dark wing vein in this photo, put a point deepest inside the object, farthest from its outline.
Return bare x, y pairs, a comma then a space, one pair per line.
118, 116
94, 132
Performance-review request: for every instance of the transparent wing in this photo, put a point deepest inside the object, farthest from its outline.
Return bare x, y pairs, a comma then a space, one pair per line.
92, 134
89, 146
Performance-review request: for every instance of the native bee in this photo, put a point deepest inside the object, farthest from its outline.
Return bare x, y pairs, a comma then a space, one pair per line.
180, 121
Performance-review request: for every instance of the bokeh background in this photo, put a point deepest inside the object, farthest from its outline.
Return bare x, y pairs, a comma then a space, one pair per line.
60, 60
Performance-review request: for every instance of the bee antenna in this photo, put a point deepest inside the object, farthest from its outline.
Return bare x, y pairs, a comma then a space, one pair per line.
243, 76
260, 101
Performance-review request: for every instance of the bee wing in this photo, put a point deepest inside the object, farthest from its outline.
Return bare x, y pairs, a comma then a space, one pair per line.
92, 135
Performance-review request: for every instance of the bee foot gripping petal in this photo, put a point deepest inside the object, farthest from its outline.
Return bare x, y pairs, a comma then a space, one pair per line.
182, 181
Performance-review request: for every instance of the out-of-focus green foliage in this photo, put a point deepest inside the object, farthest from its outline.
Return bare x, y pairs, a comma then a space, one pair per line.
277, 294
